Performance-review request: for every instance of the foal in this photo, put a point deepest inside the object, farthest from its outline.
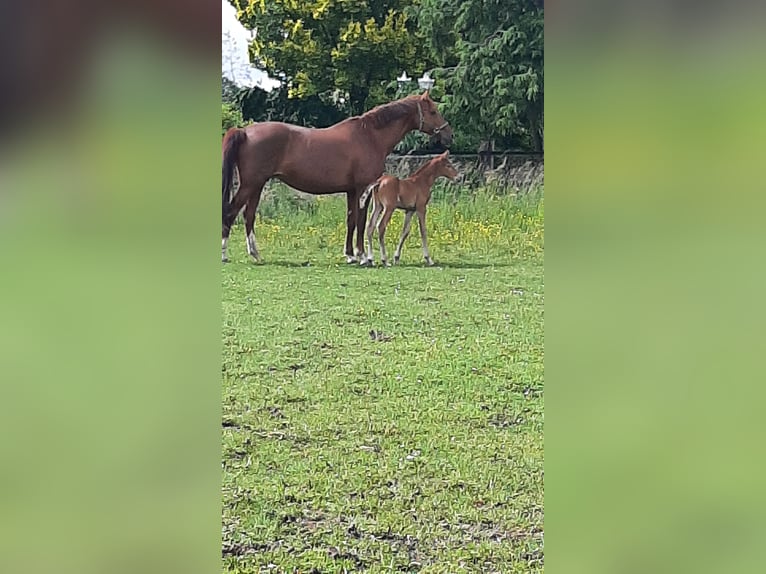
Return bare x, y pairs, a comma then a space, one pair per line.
412, 195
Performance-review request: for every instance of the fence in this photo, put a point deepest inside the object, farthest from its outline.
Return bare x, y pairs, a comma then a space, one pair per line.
515, 170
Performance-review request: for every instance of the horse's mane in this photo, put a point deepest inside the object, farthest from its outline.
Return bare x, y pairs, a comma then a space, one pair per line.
384, 114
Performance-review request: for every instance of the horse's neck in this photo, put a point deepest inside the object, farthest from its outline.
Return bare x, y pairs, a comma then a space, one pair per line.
393, 133
425, 178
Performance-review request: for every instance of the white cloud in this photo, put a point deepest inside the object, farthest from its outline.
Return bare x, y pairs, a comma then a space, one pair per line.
235, 61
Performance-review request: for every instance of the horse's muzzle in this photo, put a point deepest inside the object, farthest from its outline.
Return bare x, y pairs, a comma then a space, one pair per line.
444, 134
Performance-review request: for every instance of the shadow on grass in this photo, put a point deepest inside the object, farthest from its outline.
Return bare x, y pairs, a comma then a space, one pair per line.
342, 264
307, 264
455, 265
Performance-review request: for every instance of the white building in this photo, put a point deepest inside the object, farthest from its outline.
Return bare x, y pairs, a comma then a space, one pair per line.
235, 60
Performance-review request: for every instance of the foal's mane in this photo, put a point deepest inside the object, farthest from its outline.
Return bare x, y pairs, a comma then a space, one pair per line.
384, 114
423, 167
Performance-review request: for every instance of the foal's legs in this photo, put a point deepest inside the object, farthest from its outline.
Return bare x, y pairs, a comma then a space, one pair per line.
377, 209
405, 233
352, 214
382, 224
422, 226
237, 203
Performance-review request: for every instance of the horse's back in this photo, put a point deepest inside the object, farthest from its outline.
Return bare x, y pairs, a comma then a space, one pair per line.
264, 130
387, 187
388, 180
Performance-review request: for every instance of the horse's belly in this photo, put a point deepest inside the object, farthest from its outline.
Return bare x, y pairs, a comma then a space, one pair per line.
406, 202
313, 183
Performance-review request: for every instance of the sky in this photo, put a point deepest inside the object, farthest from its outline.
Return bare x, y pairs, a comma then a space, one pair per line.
235, 63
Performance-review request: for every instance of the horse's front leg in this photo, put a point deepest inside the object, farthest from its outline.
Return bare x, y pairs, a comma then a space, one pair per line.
423, 238
352, 207
361, 222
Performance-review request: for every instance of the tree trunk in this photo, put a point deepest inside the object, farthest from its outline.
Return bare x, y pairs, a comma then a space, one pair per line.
534, 123
358, 99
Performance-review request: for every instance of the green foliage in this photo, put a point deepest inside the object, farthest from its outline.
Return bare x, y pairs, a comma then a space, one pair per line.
343, 51
282, 202
229, 90
491, 53
339, 58
419, 448
231, 117
277, 105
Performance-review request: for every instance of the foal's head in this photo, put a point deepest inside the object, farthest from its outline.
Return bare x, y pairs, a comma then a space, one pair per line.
431, 121
444, 166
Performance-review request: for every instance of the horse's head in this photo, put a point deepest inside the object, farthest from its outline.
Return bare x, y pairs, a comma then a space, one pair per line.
431, 121
444, 166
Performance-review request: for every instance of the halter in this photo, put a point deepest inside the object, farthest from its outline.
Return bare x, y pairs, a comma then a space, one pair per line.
436, 130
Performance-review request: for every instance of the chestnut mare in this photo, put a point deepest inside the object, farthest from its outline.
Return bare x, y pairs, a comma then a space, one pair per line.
412, 195
345, 157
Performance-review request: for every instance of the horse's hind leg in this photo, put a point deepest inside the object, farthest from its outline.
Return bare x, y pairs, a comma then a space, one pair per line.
405, 233
377, 208
382, 225
237, 203
250, 211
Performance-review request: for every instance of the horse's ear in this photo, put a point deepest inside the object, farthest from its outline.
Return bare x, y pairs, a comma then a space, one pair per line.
425, 95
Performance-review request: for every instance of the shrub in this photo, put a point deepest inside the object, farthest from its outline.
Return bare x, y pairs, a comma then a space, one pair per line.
231, 117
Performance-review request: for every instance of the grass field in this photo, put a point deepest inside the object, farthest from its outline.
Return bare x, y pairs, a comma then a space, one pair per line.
385, 420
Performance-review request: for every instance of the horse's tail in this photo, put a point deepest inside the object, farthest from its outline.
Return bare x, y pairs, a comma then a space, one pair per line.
372, 188
231, 142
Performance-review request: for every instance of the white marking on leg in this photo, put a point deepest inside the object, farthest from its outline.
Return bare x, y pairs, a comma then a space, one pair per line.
224, 244
252, 249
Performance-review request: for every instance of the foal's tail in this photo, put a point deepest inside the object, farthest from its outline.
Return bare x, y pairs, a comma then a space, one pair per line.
231, 142
372, 188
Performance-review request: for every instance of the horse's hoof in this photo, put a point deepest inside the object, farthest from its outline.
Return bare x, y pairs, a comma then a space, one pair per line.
350, 259
430, 262
224, 259
396, 261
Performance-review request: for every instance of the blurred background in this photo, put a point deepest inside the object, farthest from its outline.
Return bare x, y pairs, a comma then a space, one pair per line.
109, 315
655, 197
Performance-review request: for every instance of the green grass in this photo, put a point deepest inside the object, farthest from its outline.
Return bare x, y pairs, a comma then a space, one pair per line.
416, 449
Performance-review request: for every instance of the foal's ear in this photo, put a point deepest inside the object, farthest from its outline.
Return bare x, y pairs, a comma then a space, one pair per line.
424, 96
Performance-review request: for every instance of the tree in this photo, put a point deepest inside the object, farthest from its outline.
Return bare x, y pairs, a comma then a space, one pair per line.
229, 90
344, 52
491, 58
260, 106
